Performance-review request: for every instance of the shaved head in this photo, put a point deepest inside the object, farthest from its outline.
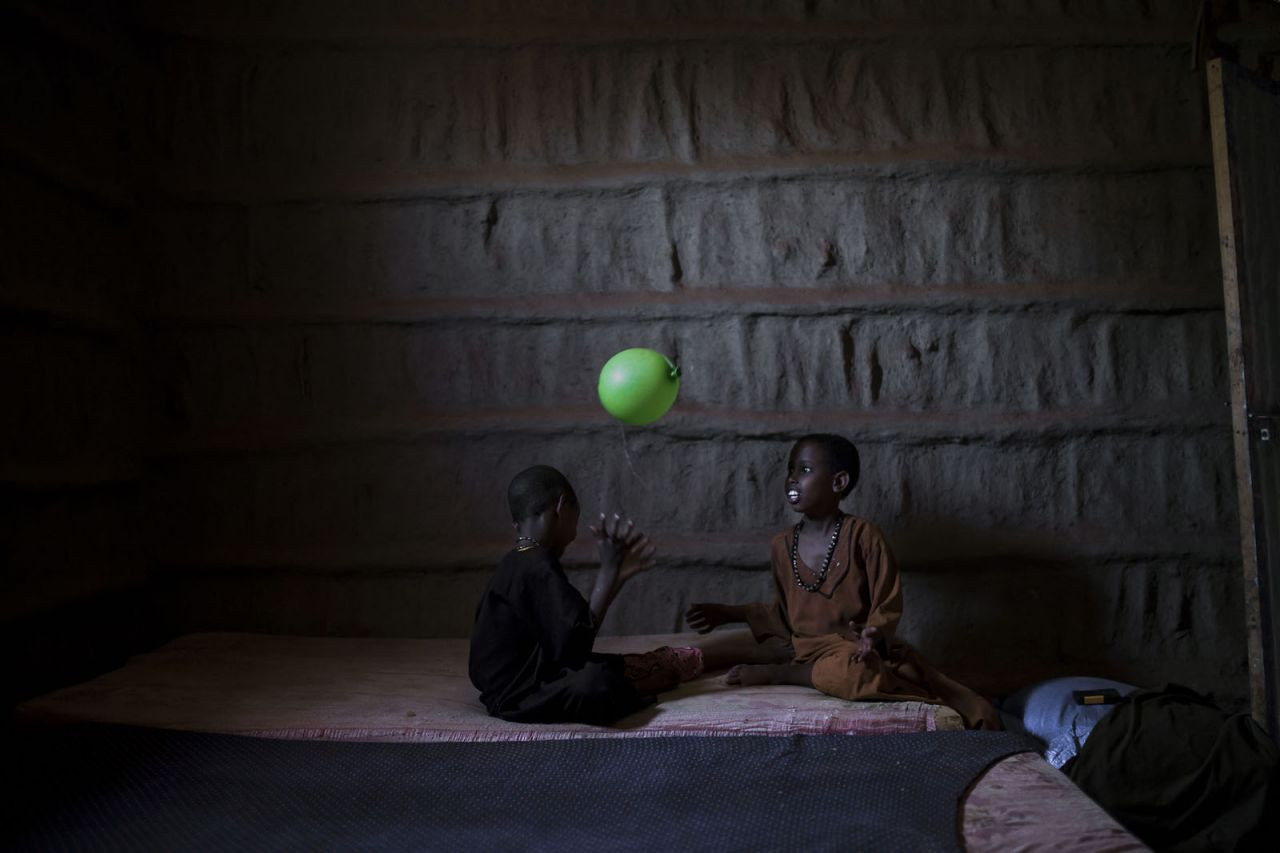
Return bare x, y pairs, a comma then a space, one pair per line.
841, 453
534, 489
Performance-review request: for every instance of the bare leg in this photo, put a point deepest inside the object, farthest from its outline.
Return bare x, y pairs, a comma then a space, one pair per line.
659, 681
722, 649
749, 675
977, 712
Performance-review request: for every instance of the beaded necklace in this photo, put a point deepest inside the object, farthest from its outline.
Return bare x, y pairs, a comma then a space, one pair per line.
826, 563
529, 543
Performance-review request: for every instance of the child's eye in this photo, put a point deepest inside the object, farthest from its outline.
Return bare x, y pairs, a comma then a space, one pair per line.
805, 468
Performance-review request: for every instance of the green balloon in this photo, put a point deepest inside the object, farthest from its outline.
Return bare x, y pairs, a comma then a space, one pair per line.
638, 385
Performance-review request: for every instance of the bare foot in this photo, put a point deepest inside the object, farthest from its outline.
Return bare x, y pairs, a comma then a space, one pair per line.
729, 646
748, 675
976, 711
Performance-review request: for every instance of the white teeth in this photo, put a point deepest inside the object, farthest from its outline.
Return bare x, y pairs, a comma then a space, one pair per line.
792, 493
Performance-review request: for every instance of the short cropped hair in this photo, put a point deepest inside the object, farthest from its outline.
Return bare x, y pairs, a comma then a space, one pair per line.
841, 453
534, 489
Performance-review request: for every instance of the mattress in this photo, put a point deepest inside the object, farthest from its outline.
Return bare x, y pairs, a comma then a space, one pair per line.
411, 690
367, 689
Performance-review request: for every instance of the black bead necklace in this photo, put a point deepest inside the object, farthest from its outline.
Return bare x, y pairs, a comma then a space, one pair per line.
826, 563
526, 543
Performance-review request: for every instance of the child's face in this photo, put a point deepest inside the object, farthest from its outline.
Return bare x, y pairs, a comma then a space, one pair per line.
811, 485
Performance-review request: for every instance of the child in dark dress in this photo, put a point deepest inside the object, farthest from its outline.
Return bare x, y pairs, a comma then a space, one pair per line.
531, 648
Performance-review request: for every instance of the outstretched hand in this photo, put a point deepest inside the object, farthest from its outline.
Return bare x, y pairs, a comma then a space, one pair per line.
704, 617
622, 548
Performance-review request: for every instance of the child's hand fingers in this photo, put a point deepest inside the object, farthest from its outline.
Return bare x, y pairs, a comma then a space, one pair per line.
625, 533
699, 625
867, 643
621, 530
702, 617
648, 558
638, 544
631, 536
643, 560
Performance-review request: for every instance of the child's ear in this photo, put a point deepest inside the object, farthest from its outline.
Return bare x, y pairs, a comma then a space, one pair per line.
840, 482
560, 503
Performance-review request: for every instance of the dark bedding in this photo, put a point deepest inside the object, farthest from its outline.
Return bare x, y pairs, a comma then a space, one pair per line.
1183, 774
115, 788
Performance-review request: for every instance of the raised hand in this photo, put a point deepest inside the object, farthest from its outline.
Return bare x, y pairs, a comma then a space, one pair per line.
641, 556
622, 548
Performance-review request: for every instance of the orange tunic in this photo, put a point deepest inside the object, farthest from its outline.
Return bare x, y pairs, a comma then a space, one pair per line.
861, 587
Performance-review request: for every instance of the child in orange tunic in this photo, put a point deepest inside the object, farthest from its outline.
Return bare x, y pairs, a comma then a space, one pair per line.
838, 599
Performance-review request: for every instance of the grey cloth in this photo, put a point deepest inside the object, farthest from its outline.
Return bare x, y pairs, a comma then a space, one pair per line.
1049, 712
112, 788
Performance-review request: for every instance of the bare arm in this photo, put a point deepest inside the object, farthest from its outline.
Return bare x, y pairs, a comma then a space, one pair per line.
705, 616
624, 553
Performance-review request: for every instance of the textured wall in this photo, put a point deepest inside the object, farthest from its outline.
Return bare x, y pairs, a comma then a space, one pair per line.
75, 409
392, 247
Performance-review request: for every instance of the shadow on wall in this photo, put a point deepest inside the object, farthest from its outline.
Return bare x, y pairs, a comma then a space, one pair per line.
1033, 618
63, 644
1028, 619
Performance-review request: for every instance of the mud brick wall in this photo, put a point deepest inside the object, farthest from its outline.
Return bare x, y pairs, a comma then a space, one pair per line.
76, 411
390, 245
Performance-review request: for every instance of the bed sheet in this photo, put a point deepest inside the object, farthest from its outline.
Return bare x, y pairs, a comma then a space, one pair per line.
374, 689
